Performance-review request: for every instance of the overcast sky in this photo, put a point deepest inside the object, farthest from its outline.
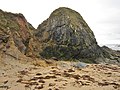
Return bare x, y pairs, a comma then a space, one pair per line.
103, 16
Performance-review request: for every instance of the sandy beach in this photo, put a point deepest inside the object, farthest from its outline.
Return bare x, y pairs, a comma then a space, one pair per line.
57, 75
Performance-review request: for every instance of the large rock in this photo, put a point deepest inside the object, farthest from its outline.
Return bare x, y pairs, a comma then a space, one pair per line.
112, 56
66, 35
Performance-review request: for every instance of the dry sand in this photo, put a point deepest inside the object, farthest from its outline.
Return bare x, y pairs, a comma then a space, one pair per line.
57, 75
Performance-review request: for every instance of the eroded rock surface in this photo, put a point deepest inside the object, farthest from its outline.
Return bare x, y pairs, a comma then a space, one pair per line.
15, 33
66, 35
63, 36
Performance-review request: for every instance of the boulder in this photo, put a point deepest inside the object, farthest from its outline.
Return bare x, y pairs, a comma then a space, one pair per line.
65, 35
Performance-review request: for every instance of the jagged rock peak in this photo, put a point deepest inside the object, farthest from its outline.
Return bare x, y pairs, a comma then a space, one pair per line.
66, 35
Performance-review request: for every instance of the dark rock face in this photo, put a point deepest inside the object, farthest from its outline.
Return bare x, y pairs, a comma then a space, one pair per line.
66, 35
112, 56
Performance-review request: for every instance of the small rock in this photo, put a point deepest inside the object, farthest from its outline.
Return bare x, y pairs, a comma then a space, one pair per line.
65, 71
116, 86
54, 71
108, 73
54, 58
56, 89
49, 61
7, 87
49, 77
59, 80
52, 84
26, 85
5, 81
64, 84
39, 87
84, 83
76, 76
41, 81
70, 70
38, 74
36, 78
80, 65
66, 74
54, 67
23, 72
87, 77
20, 80
49, 89
103, 84
59, 74
25, 82
33, 83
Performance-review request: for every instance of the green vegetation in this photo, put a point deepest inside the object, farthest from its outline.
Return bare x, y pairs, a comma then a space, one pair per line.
8, 20
74, 17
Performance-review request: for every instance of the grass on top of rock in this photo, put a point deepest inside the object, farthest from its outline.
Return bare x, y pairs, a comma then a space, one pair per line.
74, 17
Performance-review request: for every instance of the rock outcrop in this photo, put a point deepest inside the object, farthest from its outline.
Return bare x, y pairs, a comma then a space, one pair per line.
63, 36
15, 33
66, 35
112, 56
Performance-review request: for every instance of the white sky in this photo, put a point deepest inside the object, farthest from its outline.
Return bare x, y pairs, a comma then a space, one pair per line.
103, 16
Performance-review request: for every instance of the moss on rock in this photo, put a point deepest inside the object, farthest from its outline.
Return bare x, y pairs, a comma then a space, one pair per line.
66, 35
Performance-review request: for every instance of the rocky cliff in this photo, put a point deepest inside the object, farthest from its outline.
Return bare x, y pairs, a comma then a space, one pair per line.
15, 34
66, 35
